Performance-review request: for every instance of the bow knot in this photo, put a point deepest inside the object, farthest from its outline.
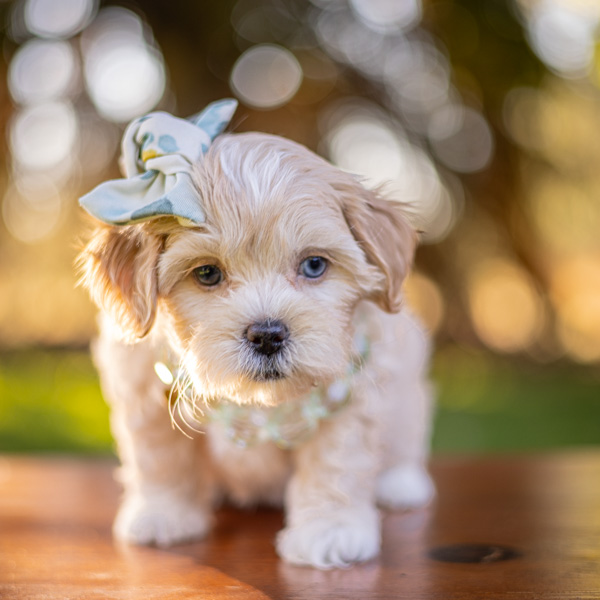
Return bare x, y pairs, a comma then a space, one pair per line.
159, 151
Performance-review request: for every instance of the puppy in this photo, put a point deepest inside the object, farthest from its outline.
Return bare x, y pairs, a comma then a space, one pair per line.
299, 378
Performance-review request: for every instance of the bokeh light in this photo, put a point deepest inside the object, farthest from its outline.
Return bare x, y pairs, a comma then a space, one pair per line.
43, 136
124, 75
576, 297
388, 15
360, 141
461, 138
350, 40
505, 306
266, 76
41, 71
563, 34
417, 76
364, 144
58, 18
425, 298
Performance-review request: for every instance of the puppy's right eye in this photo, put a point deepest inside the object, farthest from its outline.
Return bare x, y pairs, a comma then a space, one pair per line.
208, 275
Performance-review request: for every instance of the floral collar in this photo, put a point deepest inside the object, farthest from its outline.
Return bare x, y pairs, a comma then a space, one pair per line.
287, 424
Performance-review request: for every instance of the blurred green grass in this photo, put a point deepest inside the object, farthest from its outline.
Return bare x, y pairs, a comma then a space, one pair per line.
50, 402
494, 404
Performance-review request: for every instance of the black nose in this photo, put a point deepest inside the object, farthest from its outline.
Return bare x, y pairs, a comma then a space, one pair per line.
267, 337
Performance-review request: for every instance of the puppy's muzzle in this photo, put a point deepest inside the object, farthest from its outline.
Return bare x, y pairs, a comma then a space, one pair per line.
267, 337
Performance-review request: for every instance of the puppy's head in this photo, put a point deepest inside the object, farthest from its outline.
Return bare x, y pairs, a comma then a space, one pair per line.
257, 301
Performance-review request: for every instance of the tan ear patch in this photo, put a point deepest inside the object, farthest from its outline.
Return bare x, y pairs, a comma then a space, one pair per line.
388, 240
118, 268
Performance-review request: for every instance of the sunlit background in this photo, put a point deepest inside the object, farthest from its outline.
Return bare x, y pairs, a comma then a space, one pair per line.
483, 116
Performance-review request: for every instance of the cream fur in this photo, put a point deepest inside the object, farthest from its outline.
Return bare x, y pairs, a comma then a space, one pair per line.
270, 204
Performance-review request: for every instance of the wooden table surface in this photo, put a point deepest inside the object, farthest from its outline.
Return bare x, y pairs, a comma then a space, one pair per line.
540, 514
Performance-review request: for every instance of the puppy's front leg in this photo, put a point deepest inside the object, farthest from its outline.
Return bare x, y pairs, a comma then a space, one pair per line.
166, 476
331, 516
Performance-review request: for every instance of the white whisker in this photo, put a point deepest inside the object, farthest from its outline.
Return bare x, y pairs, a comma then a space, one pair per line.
182, 401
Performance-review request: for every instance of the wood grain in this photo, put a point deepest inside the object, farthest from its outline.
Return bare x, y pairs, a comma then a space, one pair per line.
540, 513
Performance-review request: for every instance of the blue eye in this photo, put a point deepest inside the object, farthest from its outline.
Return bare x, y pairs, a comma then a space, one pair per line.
313, 267
208, 275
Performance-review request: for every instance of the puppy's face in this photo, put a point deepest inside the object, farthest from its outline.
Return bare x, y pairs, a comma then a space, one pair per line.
258, 301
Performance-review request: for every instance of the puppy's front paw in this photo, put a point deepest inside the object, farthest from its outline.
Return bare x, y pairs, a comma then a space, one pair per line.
160, 521
405, 486
335, 540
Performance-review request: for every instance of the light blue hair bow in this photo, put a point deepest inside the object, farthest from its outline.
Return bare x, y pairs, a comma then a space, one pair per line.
159, 151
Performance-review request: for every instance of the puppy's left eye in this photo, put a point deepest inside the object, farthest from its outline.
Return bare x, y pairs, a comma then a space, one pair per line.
313, 267
208, 275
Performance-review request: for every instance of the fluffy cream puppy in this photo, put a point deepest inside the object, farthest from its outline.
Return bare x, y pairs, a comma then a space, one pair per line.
259, 307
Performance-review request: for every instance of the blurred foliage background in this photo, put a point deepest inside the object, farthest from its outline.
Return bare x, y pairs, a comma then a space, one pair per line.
484, 116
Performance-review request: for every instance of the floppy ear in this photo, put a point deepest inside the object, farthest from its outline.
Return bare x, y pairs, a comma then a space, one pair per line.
118, 268
386, 237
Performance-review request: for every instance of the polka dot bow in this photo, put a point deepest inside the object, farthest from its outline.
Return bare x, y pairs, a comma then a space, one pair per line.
158, 152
